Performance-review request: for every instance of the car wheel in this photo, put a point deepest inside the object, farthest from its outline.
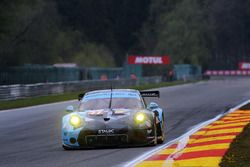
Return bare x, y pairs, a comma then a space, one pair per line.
160, 131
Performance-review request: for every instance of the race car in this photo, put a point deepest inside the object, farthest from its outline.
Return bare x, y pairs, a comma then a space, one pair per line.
115, 117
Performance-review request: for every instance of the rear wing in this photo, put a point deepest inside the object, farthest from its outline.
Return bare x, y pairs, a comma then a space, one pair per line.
80, 96
150, 94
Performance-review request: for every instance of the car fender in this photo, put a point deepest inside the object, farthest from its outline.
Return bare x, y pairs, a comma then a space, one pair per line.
160, 113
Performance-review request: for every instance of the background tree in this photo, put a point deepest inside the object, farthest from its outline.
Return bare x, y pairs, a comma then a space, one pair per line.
213, 34
231, 20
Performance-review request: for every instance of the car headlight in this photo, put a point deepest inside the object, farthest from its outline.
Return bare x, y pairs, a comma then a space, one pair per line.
75, 121
140, 118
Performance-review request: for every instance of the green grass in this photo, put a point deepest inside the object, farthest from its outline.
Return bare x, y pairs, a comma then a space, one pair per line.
37, 100
238, 154
68, 96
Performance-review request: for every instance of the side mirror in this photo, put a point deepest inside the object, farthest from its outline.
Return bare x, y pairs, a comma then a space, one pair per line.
70, 108
153, 105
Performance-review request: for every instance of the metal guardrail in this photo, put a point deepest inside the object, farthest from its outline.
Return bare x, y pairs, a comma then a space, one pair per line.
12, 92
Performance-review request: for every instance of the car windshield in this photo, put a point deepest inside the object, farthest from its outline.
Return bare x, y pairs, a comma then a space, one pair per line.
119, 100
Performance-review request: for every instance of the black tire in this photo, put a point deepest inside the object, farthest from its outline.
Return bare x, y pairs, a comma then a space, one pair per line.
160, 131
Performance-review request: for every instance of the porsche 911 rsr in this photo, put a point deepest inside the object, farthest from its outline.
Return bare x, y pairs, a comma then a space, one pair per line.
115, 117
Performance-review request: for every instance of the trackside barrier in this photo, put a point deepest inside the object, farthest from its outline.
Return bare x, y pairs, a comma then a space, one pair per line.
227, 72
12, 92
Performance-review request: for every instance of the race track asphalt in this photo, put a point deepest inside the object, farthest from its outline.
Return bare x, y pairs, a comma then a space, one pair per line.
31, 136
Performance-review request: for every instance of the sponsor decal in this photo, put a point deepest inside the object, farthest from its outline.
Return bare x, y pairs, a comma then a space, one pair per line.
244, 65
134, 59
106, 131
119, 112
95, 113
150, 93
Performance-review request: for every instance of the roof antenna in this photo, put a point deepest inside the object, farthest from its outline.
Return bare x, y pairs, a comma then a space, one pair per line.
111, 94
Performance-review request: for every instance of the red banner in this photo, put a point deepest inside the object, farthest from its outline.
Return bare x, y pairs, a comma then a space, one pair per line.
135, 59
244, 65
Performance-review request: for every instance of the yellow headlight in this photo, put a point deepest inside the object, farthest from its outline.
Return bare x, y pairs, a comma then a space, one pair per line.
75, 120
140, 118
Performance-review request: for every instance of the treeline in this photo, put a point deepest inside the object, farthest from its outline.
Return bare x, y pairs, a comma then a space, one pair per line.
87, 32
214, 34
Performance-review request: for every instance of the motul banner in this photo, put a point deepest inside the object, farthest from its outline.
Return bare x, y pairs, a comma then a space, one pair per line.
134, 59
244, 65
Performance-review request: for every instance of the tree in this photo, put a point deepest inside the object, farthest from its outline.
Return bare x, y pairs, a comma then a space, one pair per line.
231, 20
111, 23
183, 33
28, 32
99, 55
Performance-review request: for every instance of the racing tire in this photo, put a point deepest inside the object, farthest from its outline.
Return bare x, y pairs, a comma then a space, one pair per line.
160, 131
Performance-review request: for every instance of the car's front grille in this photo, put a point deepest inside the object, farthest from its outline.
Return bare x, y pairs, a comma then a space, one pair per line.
102, 140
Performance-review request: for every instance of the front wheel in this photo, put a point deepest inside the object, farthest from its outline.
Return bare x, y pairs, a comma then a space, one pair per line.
160, 131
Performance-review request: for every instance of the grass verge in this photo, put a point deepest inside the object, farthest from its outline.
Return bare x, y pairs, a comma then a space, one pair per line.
69, 96
239, 152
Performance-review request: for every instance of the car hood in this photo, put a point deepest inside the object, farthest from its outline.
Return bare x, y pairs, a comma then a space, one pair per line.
109, 114
103, 113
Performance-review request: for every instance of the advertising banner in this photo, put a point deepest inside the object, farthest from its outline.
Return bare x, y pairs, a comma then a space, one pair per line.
244, 65
154, 60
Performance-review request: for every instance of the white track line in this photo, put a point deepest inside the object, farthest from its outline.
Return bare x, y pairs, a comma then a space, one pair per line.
182, 139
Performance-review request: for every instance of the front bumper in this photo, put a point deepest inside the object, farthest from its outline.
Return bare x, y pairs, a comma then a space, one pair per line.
89, 139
